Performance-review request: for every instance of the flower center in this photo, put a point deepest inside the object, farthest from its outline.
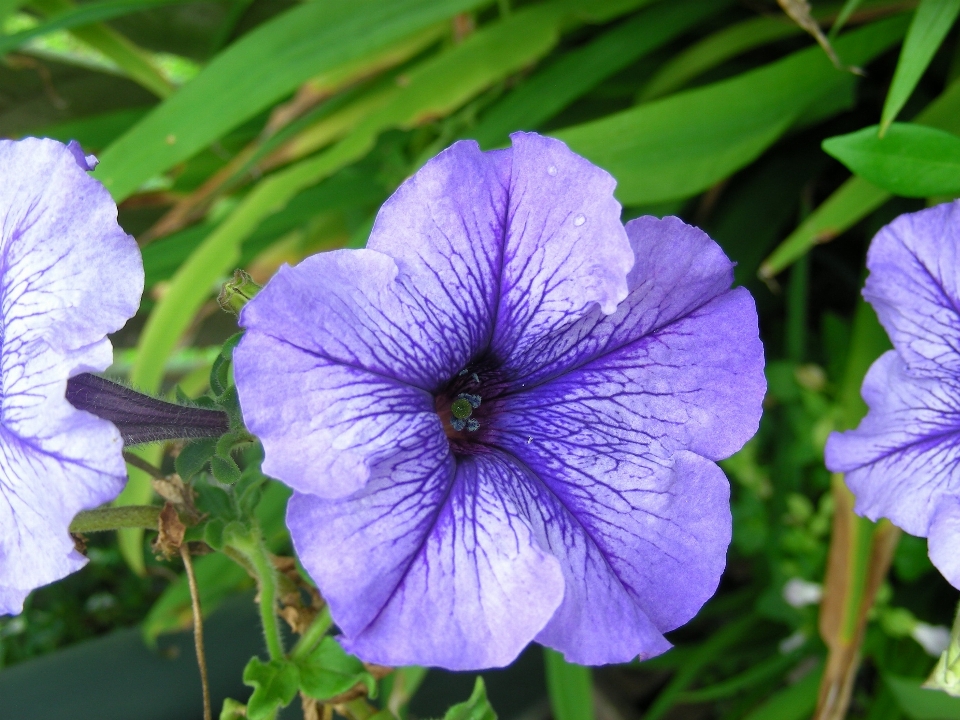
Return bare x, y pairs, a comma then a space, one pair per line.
458, 405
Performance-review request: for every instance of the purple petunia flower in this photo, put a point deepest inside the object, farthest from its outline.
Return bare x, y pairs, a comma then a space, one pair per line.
501, 419
68, 276
901, 462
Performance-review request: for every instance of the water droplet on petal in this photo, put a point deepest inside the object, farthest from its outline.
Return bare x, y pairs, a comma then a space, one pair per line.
552, 170
579, 220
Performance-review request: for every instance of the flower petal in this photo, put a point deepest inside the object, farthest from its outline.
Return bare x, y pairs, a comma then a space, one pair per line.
69, 275
669, 371
900, 461
642, 539
642, 545
944, 540
509, 245
430, 569
327, 426
565, 250
680, 272
915, 288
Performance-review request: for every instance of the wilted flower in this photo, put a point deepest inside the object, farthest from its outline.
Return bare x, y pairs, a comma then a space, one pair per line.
497, 430
69, 275
902, 461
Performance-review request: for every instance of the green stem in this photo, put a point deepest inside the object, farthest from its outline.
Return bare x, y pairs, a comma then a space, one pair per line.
116, 518
252, 548
313, 635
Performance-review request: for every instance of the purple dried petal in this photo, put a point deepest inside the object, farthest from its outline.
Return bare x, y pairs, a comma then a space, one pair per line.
141, 418
69, 276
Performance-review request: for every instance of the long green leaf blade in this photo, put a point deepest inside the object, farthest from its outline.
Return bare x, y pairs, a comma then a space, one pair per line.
683, 144
549, 91
255, 72
570, 688
856, 198
716, 49
81, 15
931, 23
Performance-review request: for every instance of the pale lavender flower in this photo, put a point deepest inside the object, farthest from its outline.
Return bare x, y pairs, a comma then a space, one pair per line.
68, 276
501, 419
902, 461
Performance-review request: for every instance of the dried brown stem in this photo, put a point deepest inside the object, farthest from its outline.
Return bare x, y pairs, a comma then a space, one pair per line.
197, 630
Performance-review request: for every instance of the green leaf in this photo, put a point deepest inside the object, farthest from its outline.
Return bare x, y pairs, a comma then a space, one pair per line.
856, 198
716, 49
476, 708
919, 703
931, 23
256, 71
546, 93
85, 14
909, 160
233, 710
274, 685
683, 144
8, 7
136, 63
570, 688
218, 577
224, 469
194, 457
329, 671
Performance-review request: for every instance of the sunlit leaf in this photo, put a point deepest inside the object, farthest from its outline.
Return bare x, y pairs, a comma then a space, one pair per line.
258, 70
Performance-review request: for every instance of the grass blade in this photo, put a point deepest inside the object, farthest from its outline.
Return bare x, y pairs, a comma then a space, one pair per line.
931, 23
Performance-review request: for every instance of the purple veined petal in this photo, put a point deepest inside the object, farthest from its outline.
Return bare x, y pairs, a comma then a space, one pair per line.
507, 246
944, 540
350, 307
325, 425
900, 462
642, 550
69, 275
669, 370
915, 288
436, 569
678, 270
565, 251
652, 525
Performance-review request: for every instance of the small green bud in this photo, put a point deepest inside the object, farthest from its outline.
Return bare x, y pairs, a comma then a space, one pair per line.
237, 292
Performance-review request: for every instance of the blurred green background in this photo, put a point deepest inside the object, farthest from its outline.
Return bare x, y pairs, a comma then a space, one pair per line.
249, 133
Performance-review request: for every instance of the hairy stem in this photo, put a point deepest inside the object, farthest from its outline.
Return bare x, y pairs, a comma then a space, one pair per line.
313, 634
197, 630
253, 550
115, 518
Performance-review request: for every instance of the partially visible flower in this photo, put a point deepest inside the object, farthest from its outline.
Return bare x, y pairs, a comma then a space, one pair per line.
497, 430
68, 276
903, 461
